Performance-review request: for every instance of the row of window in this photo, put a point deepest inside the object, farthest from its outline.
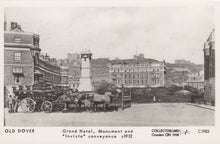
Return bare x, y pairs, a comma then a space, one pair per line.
136, 75
52, 77
19, 40
153, 81
136, 65
48, 66
137, 70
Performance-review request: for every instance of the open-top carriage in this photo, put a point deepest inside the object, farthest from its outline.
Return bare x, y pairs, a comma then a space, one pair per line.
38, 98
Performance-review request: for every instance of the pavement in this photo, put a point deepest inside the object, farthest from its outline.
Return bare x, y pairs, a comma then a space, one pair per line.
151, 114
202, 106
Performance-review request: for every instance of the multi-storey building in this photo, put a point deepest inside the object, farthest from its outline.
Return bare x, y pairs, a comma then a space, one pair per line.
48, 71
196, 80
23, 64
19, 50
135, 73
209, 69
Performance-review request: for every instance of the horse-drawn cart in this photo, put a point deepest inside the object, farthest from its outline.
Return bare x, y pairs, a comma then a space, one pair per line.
29, 100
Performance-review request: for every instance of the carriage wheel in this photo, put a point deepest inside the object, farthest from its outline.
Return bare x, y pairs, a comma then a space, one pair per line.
26, 105
47, 106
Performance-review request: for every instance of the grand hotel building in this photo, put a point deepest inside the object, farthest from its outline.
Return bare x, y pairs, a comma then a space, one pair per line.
23, 65
135, 73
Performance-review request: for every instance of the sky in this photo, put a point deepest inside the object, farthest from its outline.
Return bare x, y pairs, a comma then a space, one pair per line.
162, 33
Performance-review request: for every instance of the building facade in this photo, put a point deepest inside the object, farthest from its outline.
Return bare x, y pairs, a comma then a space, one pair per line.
209, 69
49, 72
196, 80
19, 50
23, 63
144, 74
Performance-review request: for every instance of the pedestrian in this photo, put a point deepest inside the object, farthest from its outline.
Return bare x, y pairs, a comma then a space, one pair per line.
154, 99
10, 104
15, 103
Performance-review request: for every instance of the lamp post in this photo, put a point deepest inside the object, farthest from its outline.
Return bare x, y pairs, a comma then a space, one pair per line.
122, 96
183, 79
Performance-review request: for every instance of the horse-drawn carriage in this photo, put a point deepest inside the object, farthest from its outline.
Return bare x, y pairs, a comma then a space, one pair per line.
38, 98
50, 98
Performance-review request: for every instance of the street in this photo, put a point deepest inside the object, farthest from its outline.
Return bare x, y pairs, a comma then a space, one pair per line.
151, 114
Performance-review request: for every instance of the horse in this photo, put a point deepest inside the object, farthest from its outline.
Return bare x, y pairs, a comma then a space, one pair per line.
69, 97
98, 99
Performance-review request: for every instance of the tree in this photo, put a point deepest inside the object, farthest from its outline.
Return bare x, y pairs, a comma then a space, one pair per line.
105, 86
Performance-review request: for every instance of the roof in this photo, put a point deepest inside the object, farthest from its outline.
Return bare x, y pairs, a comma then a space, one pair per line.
133, 61
211, 37
20, 32
181, 69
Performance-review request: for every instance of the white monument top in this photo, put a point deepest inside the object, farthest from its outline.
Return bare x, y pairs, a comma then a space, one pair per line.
86, 51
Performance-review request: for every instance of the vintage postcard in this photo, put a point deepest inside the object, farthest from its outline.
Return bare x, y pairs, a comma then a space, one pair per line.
124, 73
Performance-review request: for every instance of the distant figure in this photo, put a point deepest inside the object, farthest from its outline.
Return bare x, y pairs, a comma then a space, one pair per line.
15, 103
154, 99
10, 103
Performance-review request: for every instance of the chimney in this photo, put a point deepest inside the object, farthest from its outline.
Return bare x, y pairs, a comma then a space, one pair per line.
19, 27
13, 25
46, 58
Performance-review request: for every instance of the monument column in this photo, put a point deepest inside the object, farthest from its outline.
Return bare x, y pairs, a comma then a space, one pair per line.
85, 83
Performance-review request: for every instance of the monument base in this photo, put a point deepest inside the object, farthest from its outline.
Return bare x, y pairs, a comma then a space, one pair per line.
85, 85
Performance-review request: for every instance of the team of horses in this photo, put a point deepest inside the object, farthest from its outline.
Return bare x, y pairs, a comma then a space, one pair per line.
88, 101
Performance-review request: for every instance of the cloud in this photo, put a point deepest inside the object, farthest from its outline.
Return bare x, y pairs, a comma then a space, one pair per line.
159, 32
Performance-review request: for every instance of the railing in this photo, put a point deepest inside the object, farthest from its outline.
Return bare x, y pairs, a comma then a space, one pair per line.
126, 98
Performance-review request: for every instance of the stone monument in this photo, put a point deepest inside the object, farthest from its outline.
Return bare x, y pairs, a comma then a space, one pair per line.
85, 83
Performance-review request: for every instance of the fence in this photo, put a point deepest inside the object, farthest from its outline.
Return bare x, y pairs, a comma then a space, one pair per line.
126, 98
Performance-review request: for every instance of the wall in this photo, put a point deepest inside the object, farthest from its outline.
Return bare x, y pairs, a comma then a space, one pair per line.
26, 64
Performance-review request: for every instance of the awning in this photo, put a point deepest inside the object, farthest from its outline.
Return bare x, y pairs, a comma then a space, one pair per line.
17, 71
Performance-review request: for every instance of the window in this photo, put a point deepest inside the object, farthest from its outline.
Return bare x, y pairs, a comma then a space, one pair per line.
206, 52
17, 56
36, 42
17, 79
17, 39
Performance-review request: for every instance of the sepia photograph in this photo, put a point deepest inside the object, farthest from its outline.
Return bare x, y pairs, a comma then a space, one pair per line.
109, 66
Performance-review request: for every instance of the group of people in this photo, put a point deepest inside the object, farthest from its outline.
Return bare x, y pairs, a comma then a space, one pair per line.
12, 103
